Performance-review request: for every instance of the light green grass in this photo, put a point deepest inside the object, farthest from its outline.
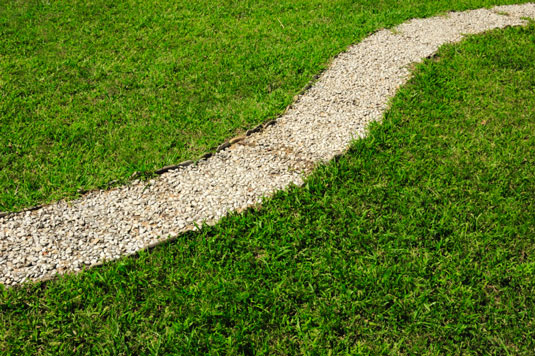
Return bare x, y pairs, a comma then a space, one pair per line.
421, 240
93, 91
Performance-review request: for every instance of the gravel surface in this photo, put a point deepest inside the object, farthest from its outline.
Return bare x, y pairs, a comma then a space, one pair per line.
355, 90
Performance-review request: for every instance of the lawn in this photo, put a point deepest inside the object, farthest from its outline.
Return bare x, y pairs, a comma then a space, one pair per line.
93, 91
420, 240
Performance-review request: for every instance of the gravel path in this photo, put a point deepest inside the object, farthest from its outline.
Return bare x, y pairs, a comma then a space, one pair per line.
355, 90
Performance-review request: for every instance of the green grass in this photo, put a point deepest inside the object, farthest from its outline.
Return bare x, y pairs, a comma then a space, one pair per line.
420, 240
93, 91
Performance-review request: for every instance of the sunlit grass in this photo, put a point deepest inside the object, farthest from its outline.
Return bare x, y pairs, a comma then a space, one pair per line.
93, 91
421, 240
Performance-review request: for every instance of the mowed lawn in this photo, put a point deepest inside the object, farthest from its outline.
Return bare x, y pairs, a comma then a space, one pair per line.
93, 91
420, 240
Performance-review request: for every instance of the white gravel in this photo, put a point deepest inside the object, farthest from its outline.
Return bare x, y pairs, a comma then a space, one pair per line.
355, 90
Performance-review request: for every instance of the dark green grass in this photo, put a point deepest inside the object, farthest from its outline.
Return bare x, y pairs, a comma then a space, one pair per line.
93, 91
421, 240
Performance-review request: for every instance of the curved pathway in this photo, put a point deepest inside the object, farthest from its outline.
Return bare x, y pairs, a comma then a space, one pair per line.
354, 91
